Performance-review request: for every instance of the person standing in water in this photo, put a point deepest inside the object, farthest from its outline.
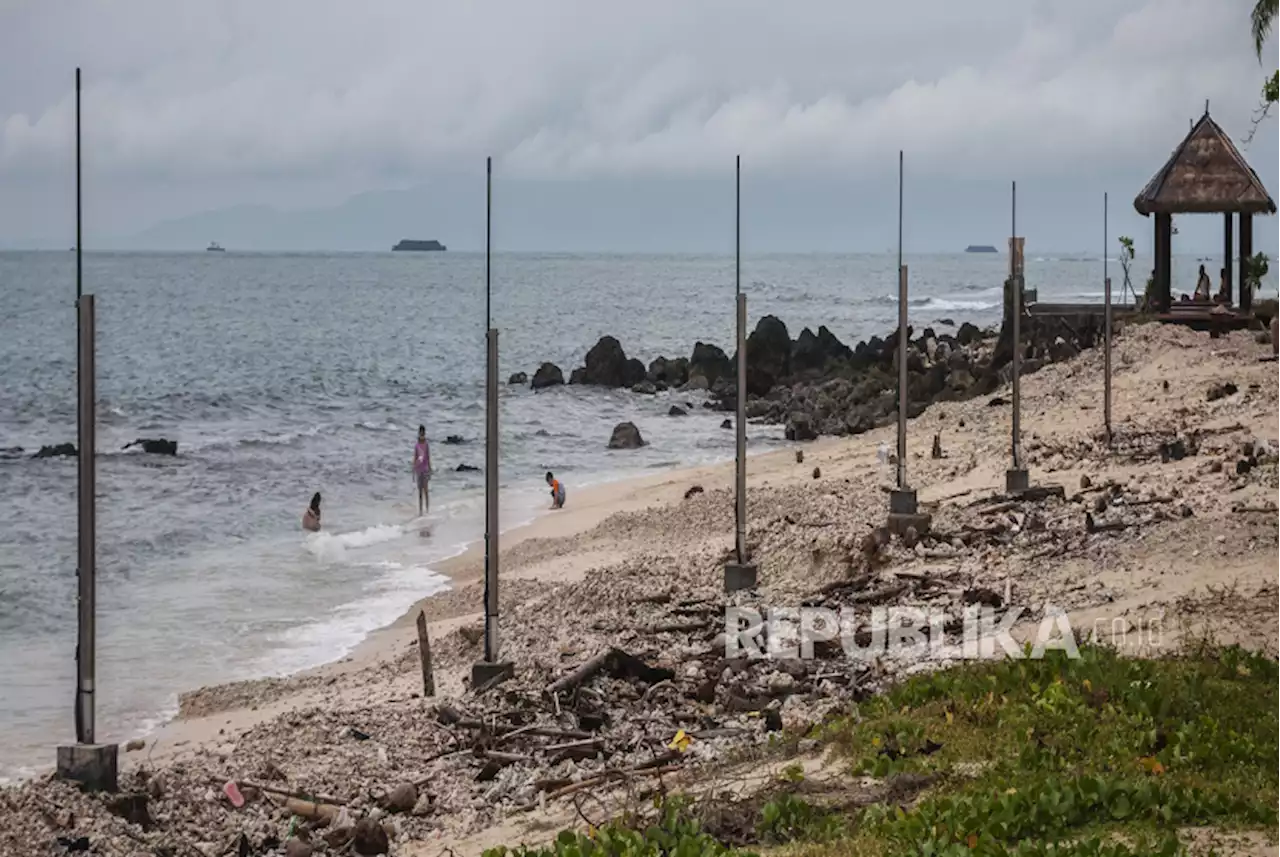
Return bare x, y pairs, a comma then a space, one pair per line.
422, 470
557, 491
311, 517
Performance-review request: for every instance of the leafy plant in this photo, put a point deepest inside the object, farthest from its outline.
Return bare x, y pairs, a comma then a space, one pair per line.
1126, 260
1254, 268
788, 818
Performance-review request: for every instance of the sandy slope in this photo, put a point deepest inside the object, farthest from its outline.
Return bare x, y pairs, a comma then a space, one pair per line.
1197, 554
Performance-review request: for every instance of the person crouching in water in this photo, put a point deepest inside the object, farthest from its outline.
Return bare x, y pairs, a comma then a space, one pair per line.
557, 491
311, 517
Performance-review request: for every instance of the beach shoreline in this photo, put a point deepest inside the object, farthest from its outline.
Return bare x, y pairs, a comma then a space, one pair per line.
1173, 528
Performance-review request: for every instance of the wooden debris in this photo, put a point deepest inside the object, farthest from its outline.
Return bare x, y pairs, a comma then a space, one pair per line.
616, 663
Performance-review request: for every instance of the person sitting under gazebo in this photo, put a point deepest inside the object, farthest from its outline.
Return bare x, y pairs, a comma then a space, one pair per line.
1202, 286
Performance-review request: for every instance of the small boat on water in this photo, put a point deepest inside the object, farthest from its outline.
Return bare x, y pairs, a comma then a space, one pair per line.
215, 247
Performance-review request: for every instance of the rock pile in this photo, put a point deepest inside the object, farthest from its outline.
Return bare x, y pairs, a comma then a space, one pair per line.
816, 385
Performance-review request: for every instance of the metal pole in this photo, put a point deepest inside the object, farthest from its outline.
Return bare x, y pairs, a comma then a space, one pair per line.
1017, 332
490, 438
86, 444
79, 270
491, 499
740, 463
1106, 351
901, 339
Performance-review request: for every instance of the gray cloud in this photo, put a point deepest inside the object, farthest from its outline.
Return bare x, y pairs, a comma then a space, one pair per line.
293, 102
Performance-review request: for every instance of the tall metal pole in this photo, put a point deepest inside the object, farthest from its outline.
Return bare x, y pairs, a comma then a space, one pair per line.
902, 346
1106, 350
79, 270
740, 470
94, 766
86, 444
1016, 271
490, 438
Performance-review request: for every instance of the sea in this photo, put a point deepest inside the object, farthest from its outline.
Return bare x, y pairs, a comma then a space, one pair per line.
280, 375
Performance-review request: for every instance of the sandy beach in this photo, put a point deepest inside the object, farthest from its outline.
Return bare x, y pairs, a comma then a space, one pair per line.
1169, 534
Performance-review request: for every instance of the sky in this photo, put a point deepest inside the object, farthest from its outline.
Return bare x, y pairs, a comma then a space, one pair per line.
613, 126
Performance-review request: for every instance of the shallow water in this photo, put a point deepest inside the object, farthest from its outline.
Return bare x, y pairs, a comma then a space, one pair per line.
280, 375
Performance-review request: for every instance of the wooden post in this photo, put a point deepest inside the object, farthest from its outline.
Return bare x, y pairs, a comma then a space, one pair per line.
1164, 253
1246, 251
1228, 251
424, 652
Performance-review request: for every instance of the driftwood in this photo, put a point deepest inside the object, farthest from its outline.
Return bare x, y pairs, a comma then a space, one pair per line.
290, 793
999, 507
540, 731
574, 750
324, 813
1092, 526
654, 767
878, 596
424, 654
677, 627
616, 663
502, 758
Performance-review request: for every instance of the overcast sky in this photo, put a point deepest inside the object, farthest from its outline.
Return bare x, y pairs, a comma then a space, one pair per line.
190, 108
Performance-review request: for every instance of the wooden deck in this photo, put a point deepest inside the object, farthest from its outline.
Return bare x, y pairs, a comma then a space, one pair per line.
1198, 316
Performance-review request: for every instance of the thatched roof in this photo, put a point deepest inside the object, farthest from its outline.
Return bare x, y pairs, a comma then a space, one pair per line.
1207, 174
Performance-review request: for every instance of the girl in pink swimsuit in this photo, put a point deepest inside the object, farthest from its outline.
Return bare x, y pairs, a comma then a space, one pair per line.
422, 469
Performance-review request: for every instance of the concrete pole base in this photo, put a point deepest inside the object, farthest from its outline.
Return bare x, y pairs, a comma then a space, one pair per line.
739, 575
900, 522
1015, 480
94, 766
491, 673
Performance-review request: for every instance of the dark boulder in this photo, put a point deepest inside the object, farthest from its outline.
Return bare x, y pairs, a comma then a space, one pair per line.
455, 439
578, 376
56, 451
626, 436
11, 452
466, 468
673, 373
647, 388
606, 365
968, 334
633, 373
677, 411
518, 378
707, 365
945, 322
768, 355
155, 446
806, 353
548, 375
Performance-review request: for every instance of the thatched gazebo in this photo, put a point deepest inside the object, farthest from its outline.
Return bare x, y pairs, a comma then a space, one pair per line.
1206, 175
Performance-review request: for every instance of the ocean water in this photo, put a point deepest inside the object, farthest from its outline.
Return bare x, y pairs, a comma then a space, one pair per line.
280, 375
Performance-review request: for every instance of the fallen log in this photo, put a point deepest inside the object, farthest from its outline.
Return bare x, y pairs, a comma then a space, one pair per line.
616, 663
879, 596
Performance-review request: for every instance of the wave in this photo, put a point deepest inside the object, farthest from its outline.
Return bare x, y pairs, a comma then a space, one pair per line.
332, 546
392, 588
941, 303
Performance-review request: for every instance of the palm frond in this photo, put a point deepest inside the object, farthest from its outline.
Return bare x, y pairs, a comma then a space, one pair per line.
1264, 15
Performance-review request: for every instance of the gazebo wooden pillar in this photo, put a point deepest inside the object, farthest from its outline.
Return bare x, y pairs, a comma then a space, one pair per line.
1205, 175
1228, 251
1246, 250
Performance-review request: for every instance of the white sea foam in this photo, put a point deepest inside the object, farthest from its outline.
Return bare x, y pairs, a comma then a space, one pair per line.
333, 546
